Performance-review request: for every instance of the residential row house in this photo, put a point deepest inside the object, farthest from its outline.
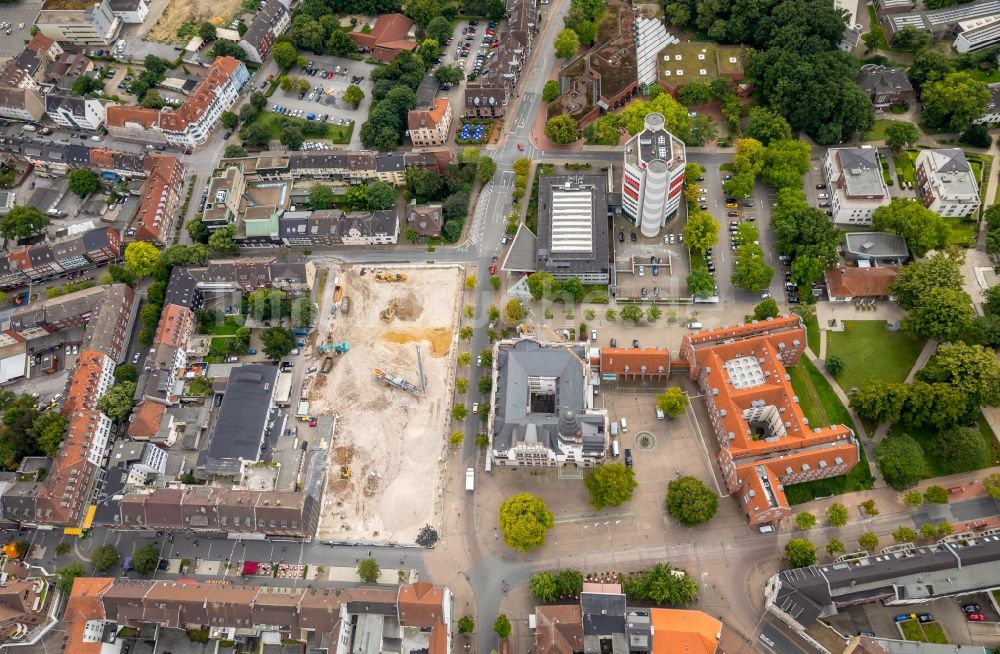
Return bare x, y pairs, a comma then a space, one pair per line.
410, 618
430, 126
267, 25
489, 94
334, 227
161, 199
346, 165
946, 183
35, 263
765, 440
64, 497
190, 124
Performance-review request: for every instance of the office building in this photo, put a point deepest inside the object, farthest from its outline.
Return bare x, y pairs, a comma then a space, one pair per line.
653, 177
857, 187
946, 183
97, 25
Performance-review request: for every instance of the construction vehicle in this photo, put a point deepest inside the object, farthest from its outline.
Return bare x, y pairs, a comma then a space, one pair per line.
389, 312
327, 365
398, 382
338, 294
339, 348
383, 276
345, 472
345, 306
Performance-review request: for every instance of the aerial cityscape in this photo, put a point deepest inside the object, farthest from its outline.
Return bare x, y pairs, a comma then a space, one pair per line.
410, 327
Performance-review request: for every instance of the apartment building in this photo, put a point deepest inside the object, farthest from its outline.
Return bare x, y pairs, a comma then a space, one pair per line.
75, 112
766, 442
190, 124
430, 126
110, 326
267, 25
34, 263
857, 187
131, 12
653, 176
946, 183
21, 103
96, 25
334, 227
350, 166
161, 199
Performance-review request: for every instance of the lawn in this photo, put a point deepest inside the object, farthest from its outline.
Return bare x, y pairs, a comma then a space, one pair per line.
227, 328
877, 132
338, 134
905, 168
931, 632
926, 436
220, 345
934, 633
813, 337
991, 76
822, 407
961, 232
912, 631
866, 341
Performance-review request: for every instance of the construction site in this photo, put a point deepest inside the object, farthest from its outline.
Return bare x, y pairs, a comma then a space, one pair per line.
385, 346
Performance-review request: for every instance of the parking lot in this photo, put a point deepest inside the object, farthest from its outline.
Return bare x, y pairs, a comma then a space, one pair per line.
20, 17
473, 36
658, 265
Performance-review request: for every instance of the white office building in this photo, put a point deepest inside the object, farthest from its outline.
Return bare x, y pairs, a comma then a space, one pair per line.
653, 176
857, 187
977, 33
946, 182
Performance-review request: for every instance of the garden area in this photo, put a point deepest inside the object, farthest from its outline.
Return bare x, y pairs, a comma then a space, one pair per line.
905, 163
930, 632
822, 407
938, 465
311, 129
865, 341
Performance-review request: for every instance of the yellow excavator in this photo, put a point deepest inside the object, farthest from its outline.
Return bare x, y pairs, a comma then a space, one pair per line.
389, 312
383, 276
345, 472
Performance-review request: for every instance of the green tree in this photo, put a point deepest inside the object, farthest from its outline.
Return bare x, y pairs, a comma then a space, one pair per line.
805, 521
766, 125
971, 369
222, 240
800, 553
766, 308
836, 515
928, 530
561, 129
117, 403
694, 93
292, 137
672, 401
234, 151
610, 485
485, 169
524, 520
22, 221
586, 31
937, 494
47, 432
945, 528
502, 626
153, 100
353, 95
569, 583
901, 460
631, 313
868, 541
462, 385
320, 196
464, 359
701, 283
543, 587
869, 508
466, 625
449, 74
960, 450
566, 43
785, 162
439, 29
835, 547
146, 559
62, 549
369, 571
126, 372
751, 272
83, 181
277, 342
104, 559
880, 401
485, 384
285, 55
904, 534
379, 195
954, 101
913, 499
84, 85
900, 135
255, 135
142, 259
923, 229
513, 313
834, 365
207, 31
991, 484
459, 412
229, 120
701, 231
542, 284
550, 91
67, 575
911, 39
690, 502
661, 585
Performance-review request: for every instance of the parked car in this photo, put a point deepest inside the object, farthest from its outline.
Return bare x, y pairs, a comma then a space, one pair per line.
628, 457
971, 608
976, 617
903, 617
925, 617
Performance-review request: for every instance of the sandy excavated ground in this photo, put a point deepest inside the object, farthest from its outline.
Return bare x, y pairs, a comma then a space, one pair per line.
177, 12
392, 441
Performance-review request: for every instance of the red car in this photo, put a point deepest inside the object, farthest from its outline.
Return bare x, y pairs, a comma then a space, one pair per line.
493, 269
520, 146
312, 422
976, 617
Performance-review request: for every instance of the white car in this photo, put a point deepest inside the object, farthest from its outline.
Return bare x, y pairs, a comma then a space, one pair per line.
479, 361
475, 407
671, 237
135, 357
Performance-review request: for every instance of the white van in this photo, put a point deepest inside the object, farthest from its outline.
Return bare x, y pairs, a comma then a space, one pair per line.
615, 452
659, 413
470, 479
694, 325
766, 529
614, 428
624, 426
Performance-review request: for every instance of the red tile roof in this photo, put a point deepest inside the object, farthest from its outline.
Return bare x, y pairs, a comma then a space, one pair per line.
176, 325
40, 43
159, 195
614, 360
691, 632
84, 605
388, 28
428, 118
145, 420
855, 281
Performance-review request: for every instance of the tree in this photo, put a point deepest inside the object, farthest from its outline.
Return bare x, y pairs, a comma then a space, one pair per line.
868, 541
900, 135
610, 485
464, 359
439, 29
901, 460
495, 282
945, 528
690, 502
104, 559
126, 372
222, 240
142, 259
991, 484
543, 587
513, 313
766, 125
524, 520
542, 284
234, 151
694, 93
462, 385
117, 402
277, 342
835, 547
569, 583
566, 43
916, 279
672, 401
67, 575
292, 137
701, 231
255, 135
911, 39
766, 308
285, 55
320, 196
936, 494
466, 625
977, 135
561, 129
572, 289
800, 553
904, 534
805, 521
369, 571
353, 95
146, 559
785, 162
379, 196
631, 313
960, 450
928, 530
913, 499
701, 283
229, 120
502, 626
923, 229
62, 549
84, 85
750, 271
661, 585
207, 31
153, 100
929, 65
83, 181
47, 432
459, 412
449, 74
22, 221
485, 169
970, 369
836, 515
954, 101
880, 401
550, 91
869, 508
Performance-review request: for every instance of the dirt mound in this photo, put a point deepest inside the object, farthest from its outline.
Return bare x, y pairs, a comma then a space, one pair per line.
439, 338
409, 307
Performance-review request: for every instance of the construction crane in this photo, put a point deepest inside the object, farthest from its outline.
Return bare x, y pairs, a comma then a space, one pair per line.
383, 276
398, 382
339, 348
389, 312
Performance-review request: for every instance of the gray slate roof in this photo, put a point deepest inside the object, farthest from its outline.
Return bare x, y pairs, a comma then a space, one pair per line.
241, 421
